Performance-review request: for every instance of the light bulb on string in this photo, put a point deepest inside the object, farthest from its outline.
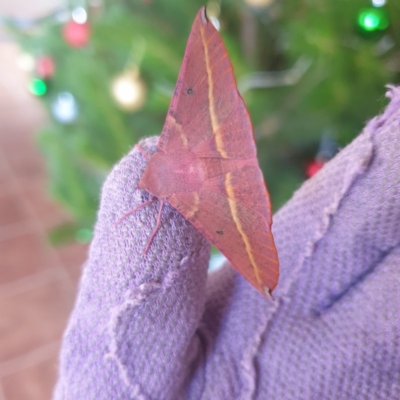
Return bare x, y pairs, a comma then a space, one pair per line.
313, 167
327, 149
378, 3
38, 87
76, 31
216, 23
45, 67
373, 19
128, 90
79, 15
64, 108
259, 3
25, 62
213, 10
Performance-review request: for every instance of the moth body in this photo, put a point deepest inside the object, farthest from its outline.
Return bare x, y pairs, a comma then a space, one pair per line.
206, 165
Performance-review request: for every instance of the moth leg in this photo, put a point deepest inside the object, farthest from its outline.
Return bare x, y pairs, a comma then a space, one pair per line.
155, 228
144, 154
146, 203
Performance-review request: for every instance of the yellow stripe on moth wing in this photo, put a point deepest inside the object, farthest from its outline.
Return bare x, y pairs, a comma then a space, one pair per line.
180, 130
195, 206
235, 216
214, 120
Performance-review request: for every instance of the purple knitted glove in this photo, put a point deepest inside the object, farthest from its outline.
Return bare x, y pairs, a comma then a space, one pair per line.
155, 327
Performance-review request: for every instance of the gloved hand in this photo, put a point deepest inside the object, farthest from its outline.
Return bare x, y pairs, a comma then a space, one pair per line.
156, 327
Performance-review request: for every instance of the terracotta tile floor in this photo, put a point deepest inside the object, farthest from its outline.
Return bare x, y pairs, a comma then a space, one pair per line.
37, 282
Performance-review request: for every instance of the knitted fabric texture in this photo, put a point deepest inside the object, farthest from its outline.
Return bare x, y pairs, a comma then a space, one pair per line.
155, 326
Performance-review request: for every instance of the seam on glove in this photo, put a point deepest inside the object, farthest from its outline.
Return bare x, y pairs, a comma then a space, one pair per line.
357, 169
374, 126
248, 363
134, 298
358, 279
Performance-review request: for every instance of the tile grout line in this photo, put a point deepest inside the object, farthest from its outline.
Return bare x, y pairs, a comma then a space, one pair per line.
2, 396
13, 230
10, 191
29, 282
29, 359
36, 222
44, 352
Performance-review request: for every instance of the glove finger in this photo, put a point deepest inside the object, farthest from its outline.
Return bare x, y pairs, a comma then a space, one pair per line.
341, 223
131, 334
338, 244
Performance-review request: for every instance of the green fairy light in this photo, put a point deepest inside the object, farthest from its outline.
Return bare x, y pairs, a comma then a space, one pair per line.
373, 19
83, 235
38, 87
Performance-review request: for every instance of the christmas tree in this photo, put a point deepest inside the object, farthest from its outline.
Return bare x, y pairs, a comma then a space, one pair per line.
310, 71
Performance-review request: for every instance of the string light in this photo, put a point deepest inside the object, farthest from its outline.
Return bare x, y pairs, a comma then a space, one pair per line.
213, 11
378, 3
38, 87
76, 34
79, 15
259, 3
25, 62
373, 19
65, 108
45, 67
128, 90
215, 22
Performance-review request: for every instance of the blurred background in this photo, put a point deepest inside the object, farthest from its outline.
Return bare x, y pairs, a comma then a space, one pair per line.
82, 81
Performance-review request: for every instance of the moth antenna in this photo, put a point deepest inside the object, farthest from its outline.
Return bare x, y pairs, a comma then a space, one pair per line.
155, 228
146, 203
141, 149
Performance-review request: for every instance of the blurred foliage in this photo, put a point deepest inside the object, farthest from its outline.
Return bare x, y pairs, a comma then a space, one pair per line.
341, 89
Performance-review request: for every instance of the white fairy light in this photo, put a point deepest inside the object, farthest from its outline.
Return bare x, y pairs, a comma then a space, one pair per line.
215, 22
25, 62
65, 108
378, 3
79, 15
129, 91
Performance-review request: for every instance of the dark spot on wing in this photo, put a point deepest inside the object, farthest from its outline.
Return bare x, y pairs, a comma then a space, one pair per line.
189, 91
220, 232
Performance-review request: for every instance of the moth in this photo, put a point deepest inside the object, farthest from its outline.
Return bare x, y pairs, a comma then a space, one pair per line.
205, 165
